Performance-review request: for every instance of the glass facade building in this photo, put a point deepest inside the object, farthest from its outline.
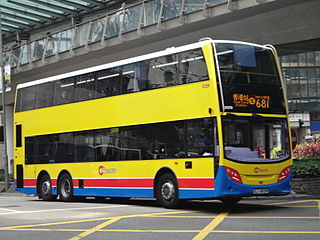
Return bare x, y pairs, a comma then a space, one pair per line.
301, 73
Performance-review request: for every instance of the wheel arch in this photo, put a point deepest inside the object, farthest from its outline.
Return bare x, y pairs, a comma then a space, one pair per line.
40, 176
65, 195
160, 172
61, 173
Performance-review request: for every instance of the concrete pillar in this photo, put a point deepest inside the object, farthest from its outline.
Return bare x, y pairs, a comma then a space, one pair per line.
9, 121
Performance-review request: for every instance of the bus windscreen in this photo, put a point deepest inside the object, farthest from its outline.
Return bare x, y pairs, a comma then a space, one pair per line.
250, 79
255, 139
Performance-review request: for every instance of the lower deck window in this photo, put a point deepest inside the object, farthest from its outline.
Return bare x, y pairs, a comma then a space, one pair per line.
179, 139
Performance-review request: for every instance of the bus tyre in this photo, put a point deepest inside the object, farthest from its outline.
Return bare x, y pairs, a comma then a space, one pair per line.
230, 200
167, 194
65, 188
45, 189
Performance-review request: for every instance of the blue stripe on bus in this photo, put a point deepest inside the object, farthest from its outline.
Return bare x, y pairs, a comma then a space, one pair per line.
143, 193
114, 192
27, 190
33, 190
195, 193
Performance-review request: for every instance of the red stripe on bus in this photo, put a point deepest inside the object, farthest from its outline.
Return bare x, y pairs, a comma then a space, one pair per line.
125, 183
204, 183
196, 183
29, 182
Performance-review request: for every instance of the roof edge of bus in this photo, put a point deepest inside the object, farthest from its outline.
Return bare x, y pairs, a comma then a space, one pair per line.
244, 42
170, 50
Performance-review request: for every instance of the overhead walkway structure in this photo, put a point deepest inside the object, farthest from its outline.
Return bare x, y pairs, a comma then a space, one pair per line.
155, 21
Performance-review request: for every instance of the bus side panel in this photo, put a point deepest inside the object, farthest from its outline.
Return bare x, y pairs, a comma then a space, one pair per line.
161, 105
18, 152
24, 175
134, 179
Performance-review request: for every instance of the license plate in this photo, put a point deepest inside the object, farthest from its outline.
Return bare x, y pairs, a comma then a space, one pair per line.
260, 191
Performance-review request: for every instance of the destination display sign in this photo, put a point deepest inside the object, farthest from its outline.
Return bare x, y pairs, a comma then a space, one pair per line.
254, 99
245, 100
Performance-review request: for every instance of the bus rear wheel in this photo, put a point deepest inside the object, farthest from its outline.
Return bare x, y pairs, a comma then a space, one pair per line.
167, 191
45, 189
65, 188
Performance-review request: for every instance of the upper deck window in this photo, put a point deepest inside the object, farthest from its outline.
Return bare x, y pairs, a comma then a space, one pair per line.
64, 91
84, 87
250, 79
26, 99
164, 71
245, 64
44, 95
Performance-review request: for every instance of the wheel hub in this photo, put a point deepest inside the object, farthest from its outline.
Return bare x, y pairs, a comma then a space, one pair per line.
46, 187
66, 188
168, 191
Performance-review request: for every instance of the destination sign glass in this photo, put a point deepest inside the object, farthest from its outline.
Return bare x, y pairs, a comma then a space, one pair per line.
264, 99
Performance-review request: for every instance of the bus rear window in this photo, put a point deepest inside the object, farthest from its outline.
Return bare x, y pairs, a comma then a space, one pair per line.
26, 99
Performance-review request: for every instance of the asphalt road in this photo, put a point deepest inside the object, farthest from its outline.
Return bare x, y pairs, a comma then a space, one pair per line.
27, 218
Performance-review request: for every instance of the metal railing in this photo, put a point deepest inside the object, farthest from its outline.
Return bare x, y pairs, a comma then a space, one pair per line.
113, 24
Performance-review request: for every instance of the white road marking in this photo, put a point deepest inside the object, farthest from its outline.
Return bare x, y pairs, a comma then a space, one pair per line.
9, 210
59, 209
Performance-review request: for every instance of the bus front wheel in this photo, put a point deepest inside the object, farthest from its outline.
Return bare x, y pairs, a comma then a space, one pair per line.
45, 189
167, 191
65, 188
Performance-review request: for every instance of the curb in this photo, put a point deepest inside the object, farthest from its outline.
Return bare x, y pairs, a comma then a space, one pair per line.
291, 196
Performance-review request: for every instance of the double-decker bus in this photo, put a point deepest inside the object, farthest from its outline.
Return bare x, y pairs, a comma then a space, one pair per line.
202, 121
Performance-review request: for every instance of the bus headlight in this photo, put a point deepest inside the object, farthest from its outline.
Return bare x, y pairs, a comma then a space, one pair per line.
233, 174
284, 174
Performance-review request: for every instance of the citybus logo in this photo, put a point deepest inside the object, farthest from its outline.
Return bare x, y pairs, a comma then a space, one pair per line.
103, 169
259, 170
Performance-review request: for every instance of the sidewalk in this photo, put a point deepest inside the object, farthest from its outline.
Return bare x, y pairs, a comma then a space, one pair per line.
292, 196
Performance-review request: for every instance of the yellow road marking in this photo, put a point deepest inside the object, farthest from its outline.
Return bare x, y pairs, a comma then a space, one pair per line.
201, 233
46, 229
54, 223
94, 219
270, 217
204, 232
157, 214
94, 229
267, 232
163, 231
112, 220
240, 217
205, 217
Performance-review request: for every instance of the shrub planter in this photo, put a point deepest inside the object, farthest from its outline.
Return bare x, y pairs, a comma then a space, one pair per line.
306, 185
